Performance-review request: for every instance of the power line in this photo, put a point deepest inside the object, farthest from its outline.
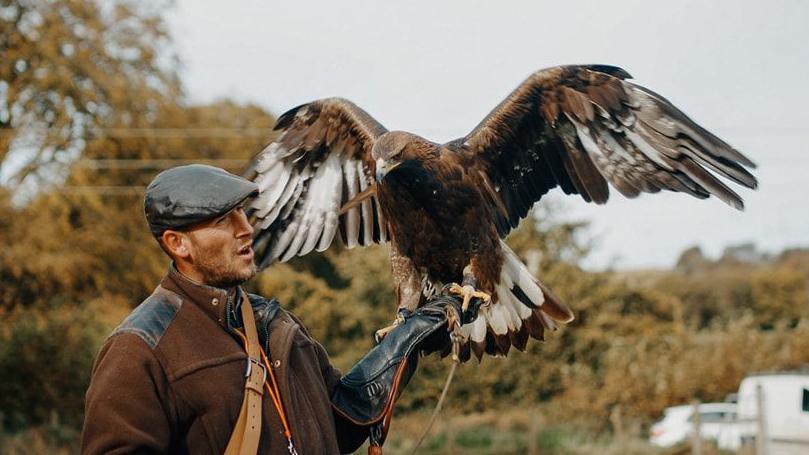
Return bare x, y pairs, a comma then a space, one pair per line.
155, 163
223, 133
146, 133
104, 190
135, 164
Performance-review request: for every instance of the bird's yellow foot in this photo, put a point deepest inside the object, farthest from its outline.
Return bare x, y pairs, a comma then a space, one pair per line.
380, 334
467, 292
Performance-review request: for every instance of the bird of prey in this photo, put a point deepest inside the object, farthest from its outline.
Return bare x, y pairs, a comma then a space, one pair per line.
445, 208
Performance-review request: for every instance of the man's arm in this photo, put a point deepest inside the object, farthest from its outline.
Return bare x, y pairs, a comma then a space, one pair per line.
350, 436
126, 406
363, 399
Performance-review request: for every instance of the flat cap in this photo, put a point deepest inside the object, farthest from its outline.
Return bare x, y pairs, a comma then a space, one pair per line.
186, 195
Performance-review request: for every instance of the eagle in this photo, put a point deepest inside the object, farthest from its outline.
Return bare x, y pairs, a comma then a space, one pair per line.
445, 209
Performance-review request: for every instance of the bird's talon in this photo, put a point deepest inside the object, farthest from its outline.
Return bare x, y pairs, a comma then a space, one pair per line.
380, 334
468, 292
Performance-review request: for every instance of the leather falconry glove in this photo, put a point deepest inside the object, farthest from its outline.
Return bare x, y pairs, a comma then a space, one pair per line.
367, 393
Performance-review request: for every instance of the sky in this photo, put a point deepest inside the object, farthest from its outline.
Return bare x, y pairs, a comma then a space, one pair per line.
436, 68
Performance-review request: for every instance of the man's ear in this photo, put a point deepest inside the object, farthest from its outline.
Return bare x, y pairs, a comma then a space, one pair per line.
177, 244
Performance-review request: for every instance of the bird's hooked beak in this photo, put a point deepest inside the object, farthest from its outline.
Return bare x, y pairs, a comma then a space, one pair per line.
383, 168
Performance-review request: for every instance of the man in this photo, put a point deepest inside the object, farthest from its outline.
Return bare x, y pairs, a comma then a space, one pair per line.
175, 375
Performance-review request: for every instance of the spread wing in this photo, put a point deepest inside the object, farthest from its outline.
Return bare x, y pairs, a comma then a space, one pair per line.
580, 127
320, 162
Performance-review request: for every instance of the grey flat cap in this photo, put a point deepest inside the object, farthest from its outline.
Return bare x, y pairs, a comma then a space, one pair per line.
186, 195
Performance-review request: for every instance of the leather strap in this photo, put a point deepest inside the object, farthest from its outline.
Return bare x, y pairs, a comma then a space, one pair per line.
246, 433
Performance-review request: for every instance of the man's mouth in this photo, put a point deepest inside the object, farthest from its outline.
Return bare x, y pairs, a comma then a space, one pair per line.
246, 251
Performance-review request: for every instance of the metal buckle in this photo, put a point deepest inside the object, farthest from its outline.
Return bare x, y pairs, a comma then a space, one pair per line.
291, 447
249, 369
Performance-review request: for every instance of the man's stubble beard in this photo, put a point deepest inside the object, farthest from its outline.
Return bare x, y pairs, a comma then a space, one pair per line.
217, 273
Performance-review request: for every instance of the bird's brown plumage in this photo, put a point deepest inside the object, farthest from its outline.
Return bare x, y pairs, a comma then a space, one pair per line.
446, 207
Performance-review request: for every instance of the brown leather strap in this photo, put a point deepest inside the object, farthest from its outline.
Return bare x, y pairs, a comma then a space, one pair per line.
246, 433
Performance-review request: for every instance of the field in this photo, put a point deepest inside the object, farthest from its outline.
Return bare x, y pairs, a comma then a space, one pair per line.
516, 432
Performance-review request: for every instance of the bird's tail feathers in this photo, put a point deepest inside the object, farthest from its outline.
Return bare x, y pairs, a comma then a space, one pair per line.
522, 307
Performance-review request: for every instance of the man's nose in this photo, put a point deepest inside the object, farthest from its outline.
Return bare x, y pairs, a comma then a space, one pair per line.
243, 226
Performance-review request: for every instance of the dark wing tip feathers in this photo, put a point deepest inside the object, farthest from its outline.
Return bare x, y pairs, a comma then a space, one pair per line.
287, 117
558, 90
618, 72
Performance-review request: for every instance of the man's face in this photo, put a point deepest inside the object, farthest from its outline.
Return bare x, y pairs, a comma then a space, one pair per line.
221, 250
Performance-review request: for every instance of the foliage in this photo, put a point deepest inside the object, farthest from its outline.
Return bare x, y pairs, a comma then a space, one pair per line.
46, 354
101, 227
514, 431
77, 256
69, 69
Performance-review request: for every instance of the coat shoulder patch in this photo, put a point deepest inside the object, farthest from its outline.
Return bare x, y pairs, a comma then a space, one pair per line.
152, 317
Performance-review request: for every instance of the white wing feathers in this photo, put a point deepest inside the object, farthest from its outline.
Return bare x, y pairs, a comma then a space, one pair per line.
522, 308
306, 176
302, 204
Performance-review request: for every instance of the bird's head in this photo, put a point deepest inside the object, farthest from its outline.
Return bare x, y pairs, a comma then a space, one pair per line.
396, 150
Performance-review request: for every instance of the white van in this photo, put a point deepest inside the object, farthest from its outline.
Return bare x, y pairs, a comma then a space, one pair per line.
786, 411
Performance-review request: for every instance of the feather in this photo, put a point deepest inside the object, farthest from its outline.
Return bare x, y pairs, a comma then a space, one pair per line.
285, 239
502, 345
592, 180
302, 181
479, 348
546, 321
534, 326
366, 208
352, 216
323, 200
297, 241
361, 197
270, 217
383, 227
330, 224
495, 319
579, 128
519, 338
591, 128
520, 277
478, 330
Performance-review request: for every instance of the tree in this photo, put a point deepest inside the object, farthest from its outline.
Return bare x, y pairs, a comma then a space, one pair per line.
69, 69
691, 260
83, 79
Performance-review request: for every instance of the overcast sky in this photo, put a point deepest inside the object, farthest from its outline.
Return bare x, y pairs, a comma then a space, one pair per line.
436, 68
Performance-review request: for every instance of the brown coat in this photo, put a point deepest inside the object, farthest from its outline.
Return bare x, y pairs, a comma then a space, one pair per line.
171, 379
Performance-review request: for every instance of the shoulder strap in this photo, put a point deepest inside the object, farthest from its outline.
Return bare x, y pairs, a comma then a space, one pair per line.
246, 433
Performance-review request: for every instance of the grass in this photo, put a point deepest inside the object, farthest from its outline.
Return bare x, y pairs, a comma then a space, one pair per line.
51, 438
519, 431
510, 432
501, 433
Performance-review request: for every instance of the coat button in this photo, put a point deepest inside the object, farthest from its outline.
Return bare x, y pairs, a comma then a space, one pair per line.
276, 364
215, 301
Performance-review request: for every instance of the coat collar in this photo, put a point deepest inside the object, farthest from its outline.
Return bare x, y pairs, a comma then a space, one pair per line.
210, 299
